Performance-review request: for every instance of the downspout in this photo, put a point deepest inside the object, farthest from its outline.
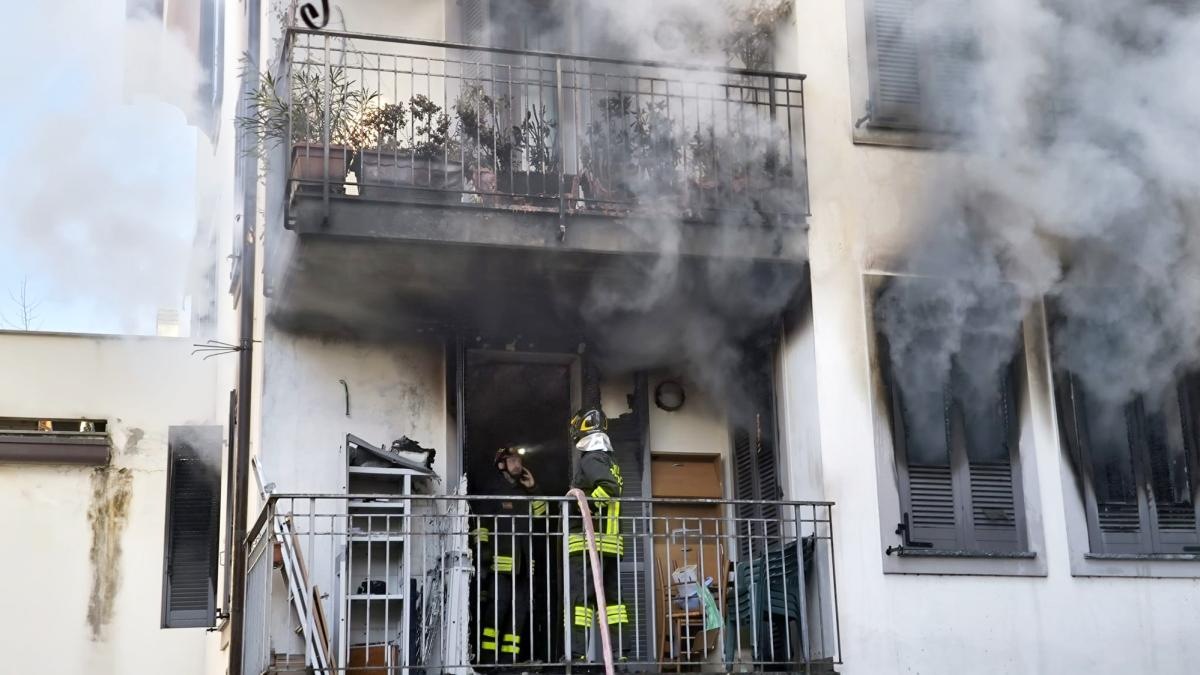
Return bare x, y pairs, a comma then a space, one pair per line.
242, 459
249, 270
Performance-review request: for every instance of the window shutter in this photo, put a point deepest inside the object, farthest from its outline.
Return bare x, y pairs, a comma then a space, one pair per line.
928, 496
917, 82
755, 460
628, 434
472, 21
894, 64
193, 506
996, 504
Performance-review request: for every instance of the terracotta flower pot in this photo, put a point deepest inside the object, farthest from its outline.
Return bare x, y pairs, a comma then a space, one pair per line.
308, 163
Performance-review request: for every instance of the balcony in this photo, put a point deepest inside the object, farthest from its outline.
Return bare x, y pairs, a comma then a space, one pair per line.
376, 583
556, 160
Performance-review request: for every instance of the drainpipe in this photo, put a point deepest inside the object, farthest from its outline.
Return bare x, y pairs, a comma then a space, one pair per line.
241, 468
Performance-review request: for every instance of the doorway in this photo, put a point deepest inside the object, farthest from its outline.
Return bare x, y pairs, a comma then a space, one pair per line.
524, 400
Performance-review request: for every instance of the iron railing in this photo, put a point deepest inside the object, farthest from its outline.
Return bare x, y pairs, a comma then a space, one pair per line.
380, 583
430, 122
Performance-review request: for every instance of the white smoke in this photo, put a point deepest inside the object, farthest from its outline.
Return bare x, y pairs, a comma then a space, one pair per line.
670, 309
98, 169
1076, 180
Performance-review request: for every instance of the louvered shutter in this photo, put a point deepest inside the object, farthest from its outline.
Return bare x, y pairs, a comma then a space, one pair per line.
755, 458
917, 81
628, 436
1168, 438
472, 30
928, 495
193, 507
894, 64
996, 505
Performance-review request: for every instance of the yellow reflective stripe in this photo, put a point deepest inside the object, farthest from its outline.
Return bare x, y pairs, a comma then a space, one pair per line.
617, 614
584, 616
489, 632
509, 649
605, 543
488, 645
612, 523
481, 533
599, 493
515, 639
503, 563
539, 507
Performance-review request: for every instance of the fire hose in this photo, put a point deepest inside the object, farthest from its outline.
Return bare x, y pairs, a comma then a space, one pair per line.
597, 576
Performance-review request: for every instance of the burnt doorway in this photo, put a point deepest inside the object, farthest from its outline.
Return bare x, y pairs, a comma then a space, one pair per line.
524, 400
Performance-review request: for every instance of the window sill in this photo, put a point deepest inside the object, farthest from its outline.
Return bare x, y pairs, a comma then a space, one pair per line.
944, 553
52, 447
1178, 557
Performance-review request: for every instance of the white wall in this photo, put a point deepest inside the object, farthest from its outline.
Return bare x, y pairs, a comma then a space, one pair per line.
396, 389
55, 518
863, 200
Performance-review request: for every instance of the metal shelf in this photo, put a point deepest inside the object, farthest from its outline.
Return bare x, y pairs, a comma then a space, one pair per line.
377, 505
382, 471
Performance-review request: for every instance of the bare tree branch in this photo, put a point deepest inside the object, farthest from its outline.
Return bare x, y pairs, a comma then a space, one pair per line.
27, 313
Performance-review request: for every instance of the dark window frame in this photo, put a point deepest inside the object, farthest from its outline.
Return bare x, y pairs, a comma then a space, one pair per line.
1149, 539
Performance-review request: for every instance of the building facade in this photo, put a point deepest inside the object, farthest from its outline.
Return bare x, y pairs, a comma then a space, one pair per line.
459, 222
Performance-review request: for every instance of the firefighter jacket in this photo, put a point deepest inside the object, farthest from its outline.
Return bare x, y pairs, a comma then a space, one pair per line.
599, 477
504, 527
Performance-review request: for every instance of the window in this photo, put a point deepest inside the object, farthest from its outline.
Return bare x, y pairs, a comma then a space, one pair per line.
29, 440
1138, 463
957, 461
917, 81
949, 359
193, 508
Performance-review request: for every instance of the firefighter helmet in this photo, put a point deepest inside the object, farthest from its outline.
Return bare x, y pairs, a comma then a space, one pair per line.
588, 422
504, 453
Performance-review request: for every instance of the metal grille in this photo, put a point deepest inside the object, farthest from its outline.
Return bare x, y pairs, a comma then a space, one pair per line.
432, 122
424, 564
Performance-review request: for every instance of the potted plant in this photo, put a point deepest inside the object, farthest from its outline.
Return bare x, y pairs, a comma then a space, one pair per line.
488, 151
534, 138
632, 155
311, 108
410, 154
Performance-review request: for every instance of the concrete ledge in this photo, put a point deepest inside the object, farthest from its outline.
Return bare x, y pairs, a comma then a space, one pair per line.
54, 448
637, 233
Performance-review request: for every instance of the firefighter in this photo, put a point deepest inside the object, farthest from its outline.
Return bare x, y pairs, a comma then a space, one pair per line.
507, 551
598, 475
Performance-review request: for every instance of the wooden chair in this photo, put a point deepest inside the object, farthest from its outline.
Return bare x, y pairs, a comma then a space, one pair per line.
683, 638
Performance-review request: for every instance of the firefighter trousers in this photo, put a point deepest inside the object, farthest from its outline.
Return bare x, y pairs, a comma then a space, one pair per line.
583, 602
502, 617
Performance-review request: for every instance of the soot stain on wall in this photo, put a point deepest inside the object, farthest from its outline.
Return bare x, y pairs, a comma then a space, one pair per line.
112, 490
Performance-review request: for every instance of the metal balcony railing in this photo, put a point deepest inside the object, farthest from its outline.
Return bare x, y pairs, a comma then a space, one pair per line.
380, 583
435, 123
